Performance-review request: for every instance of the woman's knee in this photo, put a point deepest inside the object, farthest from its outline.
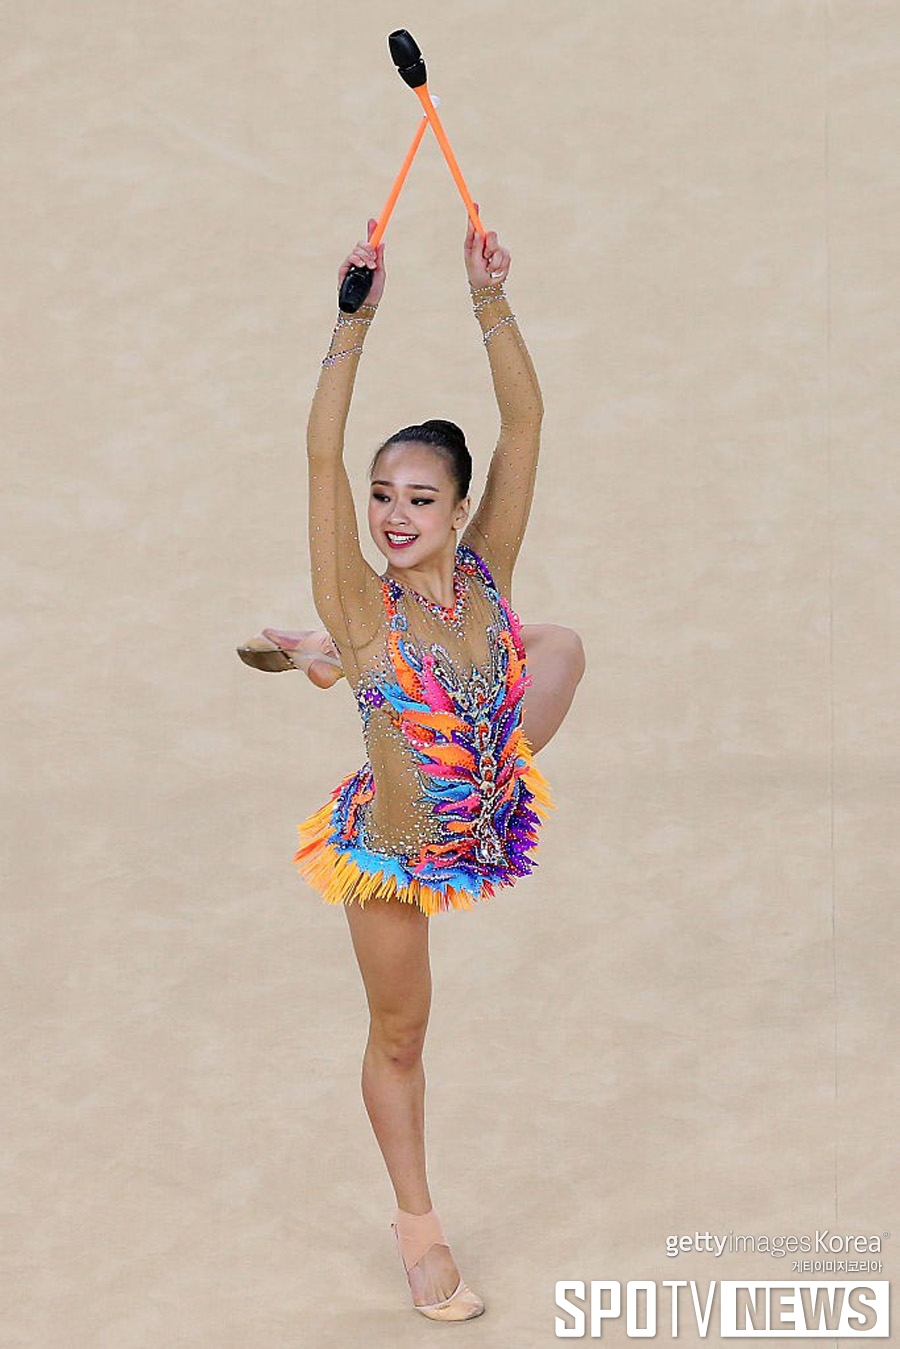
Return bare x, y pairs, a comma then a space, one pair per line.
573, 648
560, 644
399, 1039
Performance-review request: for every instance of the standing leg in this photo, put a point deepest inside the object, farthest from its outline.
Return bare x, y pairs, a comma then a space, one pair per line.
390, 939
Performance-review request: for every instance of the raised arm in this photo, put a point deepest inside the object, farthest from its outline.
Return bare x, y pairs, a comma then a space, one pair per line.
346, 590
498, 526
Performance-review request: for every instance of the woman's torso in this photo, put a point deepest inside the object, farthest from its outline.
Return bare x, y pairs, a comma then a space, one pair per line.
440, 694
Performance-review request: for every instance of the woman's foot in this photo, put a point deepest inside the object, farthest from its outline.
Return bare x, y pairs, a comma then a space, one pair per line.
437, 1290
312, 651
435, 1278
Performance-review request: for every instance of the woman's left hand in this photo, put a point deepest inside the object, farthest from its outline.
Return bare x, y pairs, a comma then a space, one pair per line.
487, 263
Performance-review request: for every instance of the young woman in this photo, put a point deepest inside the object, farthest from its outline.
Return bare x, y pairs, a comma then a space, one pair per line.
447, 806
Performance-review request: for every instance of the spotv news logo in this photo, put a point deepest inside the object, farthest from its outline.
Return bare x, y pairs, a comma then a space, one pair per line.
740, 1308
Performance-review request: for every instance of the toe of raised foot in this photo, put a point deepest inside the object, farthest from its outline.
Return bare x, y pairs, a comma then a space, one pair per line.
264, 657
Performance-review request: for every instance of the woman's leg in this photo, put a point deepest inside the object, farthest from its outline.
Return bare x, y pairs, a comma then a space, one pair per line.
390, 939
555, 658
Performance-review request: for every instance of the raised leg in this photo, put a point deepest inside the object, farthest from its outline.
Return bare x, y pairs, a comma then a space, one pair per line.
554, 653
555, 658
390, 939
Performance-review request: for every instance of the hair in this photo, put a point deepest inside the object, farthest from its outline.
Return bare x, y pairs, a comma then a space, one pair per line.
447, 439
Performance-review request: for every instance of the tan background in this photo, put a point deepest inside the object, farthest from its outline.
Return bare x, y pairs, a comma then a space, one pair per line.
687, 1020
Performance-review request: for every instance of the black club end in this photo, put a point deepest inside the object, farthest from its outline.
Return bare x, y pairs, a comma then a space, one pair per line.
407, 57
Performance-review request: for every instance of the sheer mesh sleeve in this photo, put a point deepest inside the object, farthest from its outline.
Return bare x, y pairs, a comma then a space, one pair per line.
346, 590
498, 526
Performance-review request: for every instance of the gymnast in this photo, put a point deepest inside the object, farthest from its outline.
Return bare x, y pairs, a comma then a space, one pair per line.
455, 698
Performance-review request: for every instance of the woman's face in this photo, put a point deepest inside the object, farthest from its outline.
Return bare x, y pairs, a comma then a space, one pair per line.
413, 508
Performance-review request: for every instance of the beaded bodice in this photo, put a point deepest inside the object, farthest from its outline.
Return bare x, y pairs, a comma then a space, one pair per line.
442, 711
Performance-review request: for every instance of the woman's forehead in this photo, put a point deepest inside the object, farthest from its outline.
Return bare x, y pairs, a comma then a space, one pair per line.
412, 464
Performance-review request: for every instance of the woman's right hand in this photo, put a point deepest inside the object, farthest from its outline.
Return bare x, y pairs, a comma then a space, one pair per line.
364, 255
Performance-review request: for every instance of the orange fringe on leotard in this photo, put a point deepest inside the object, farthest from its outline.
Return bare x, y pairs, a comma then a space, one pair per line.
338, 876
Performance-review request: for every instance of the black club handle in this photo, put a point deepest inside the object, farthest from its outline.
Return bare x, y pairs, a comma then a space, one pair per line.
407, 57
354, 289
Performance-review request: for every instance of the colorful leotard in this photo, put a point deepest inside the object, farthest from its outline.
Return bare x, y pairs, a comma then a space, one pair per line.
456, 813
447, 806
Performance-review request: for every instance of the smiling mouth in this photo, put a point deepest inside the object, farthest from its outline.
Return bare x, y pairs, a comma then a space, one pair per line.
400, 540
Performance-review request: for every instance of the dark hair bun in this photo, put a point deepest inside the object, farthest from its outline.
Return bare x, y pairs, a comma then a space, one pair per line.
448, 432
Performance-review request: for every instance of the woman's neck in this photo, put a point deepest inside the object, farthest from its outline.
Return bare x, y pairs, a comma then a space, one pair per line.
432, 579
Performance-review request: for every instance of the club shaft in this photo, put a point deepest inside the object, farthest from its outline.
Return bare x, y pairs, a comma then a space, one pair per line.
431, 114
398, 183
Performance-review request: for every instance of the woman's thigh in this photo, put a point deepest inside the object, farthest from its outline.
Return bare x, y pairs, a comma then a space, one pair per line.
390, 939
